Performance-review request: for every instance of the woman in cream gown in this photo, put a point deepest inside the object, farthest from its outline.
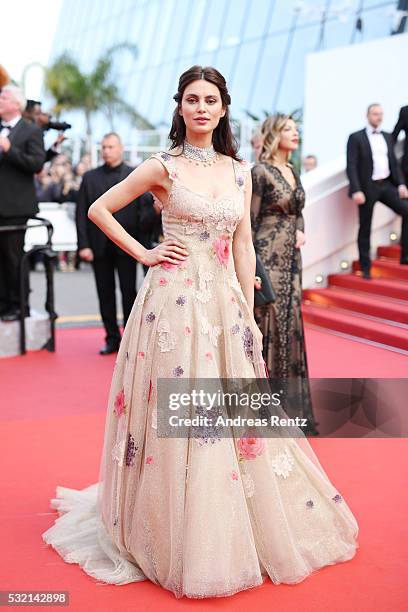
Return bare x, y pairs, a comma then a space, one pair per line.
201, 516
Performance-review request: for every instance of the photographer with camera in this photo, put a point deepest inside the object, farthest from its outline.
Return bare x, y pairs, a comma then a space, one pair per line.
34, 113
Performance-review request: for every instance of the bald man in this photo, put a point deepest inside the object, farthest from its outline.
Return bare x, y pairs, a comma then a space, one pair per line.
95, 247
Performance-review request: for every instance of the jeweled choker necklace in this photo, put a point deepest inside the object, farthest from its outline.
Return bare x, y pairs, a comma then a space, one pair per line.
200, 155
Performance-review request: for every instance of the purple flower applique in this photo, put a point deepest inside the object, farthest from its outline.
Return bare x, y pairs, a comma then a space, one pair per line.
204, 235
240, 181
235, 329
337, 498
248, 340
165, 156
310, 503
131, 450
181, 300
178, 371
240, 314
150, 317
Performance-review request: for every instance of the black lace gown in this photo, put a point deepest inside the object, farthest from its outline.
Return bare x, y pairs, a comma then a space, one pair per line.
276, 211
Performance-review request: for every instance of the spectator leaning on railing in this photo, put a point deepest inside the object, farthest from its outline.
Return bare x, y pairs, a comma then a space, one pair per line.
22, 154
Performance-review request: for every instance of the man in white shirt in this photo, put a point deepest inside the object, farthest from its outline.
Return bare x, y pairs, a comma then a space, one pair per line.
21, 156
374, 175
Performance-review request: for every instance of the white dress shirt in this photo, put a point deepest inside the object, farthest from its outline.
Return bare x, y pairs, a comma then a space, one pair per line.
379, 150
6, 131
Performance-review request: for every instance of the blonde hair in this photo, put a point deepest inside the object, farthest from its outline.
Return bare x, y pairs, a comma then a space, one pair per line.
271, 131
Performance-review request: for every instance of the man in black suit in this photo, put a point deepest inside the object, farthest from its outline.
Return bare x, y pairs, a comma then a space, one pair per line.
374, 175
21, 156
402, 125
94, 246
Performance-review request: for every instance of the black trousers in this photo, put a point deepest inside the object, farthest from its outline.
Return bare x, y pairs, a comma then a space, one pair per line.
386, 193
11, 253
104, 268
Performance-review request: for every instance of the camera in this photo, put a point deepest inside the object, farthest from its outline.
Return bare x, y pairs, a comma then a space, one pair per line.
61, 126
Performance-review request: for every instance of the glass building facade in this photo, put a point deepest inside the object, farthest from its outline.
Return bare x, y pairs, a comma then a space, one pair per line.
259, 45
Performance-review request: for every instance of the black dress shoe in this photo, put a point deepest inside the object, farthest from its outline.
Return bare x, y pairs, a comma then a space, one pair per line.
366, 274
13, 315
108, 349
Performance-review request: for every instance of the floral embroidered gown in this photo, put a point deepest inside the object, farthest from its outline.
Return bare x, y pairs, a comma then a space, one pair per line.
201, 519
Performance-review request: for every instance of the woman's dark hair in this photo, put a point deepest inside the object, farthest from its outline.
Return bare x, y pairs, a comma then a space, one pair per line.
223, 138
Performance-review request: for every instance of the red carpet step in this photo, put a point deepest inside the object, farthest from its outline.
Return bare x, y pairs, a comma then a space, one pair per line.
356, 325
374, 310
392, 251
380, 286
383, 268
381, 307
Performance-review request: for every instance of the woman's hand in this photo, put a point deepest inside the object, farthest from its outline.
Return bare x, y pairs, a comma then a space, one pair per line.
170, 251
300, 239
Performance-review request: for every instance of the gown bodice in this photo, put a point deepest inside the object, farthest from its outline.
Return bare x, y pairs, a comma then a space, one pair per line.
204, 224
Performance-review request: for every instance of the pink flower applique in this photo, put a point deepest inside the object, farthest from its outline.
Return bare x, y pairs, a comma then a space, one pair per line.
189, 282
141, 354
208, 356
250, 447
120, 406
162, 282
166, 265
221, 248
149, 459
233, 300
173, 175
234, 475
187, 330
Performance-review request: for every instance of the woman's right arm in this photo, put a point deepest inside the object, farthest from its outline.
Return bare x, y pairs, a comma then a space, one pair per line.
149, 176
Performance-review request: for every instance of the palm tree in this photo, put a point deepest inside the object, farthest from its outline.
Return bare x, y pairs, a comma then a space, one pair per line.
91, 92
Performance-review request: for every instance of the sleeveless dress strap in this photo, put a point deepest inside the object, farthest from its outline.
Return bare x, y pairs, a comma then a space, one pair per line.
241, 169
169, 163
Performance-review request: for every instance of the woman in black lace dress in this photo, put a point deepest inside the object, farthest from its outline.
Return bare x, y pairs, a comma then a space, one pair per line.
278, 230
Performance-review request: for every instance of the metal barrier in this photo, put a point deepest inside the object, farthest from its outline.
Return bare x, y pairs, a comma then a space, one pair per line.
49, 257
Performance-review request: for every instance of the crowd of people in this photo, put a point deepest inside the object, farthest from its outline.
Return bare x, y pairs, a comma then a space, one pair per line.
60, 180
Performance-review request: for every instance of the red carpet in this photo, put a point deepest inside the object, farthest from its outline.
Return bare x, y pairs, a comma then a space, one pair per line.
53, 413
374, 310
